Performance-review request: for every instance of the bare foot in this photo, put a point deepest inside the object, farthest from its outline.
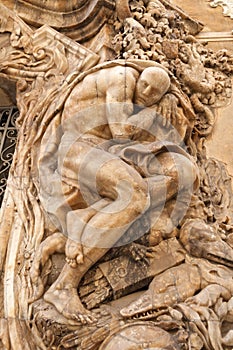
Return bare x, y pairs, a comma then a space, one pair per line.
69, 305
54, 243
74, 253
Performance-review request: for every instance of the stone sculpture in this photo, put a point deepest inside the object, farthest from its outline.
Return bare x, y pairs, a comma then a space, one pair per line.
115, 221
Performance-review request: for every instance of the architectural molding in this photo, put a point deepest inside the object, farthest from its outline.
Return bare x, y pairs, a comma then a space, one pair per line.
215, 36
80, 20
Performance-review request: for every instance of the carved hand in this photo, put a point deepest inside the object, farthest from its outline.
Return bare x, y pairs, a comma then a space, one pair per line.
167, 107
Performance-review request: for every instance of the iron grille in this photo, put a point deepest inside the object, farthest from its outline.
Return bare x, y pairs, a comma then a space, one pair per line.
8, 137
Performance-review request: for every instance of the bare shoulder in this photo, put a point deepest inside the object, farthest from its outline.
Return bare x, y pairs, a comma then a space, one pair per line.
126, 72
118, 73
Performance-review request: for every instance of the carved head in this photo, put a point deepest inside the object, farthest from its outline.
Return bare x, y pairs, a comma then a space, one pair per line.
202, 241
152, 84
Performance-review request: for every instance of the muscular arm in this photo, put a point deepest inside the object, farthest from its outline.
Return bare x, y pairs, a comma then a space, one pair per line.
143, 119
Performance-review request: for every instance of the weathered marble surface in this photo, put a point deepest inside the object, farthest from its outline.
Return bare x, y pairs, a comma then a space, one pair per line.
116, 230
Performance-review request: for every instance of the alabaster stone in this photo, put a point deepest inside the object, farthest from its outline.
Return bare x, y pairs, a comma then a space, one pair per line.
116, 228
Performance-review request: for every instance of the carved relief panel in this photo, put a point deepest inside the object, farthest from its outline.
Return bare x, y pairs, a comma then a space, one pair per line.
116, 230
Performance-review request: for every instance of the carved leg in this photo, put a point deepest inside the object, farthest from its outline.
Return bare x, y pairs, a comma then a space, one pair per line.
76, 222
128, 200
162, 226
63, 293
173, 176
171, 173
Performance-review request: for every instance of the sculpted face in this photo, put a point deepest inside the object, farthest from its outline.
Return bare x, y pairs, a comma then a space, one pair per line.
152, 84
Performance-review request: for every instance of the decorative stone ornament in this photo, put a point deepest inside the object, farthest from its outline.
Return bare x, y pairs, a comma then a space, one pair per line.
116, 230
227, 6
